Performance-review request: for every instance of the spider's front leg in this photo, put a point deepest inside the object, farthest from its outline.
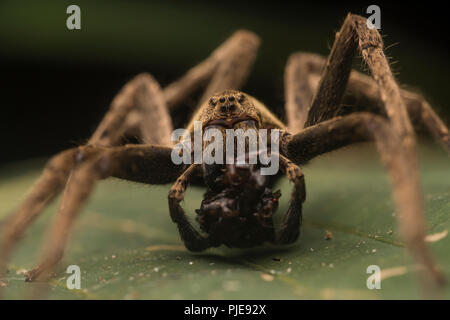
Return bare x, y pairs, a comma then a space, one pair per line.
149, 164
342, 131
192, 239
139, 100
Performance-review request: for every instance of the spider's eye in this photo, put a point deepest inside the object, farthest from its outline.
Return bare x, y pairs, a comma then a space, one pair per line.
222, 99
212, 102
241, 98
231, 98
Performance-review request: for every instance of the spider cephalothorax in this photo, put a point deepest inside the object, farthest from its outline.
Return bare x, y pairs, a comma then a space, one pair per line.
239, 203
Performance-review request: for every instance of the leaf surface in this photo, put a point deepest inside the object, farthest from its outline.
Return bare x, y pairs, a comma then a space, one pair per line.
127, 247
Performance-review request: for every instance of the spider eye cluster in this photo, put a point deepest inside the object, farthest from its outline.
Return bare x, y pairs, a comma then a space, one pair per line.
213, 101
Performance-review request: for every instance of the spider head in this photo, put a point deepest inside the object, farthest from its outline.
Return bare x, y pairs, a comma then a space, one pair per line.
228, 103
228, 106
238, 206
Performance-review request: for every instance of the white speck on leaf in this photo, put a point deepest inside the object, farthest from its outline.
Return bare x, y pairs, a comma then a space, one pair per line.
436, 236
266, 277
393, 272
231, 285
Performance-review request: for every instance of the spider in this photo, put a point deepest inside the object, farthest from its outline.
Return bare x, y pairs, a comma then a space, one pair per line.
239, 203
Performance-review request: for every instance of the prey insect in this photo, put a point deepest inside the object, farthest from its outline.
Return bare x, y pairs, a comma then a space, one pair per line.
239, 203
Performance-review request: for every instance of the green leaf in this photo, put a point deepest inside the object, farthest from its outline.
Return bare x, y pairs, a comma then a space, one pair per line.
128, 248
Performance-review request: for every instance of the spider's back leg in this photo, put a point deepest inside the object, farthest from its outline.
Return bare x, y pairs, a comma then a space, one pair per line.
302, 77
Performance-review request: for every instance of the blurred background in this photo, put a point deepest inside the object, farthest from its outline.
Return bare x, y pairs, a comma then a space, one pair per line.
58, 83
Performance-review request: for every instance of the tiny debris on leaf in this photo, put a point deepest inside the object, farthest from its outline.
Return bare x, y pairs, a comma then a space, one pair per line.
231, 285
267, 277
328, 235
131, 296
393, 272
436, 236
390, 232
277, 259
21, 271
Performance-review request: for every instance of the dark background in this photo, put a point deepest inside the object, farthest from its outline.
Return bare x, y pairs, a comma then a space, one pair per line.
57, 83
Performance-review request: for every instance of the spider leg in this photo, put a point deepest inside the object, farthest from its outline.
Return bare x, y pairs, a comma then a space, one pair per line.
299, 89
394, 137
226, 68
342, 131
363, 91
302, 77
49, 185
141, 95
290, 226
192, 239
139, 108
354, 34
143, 163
